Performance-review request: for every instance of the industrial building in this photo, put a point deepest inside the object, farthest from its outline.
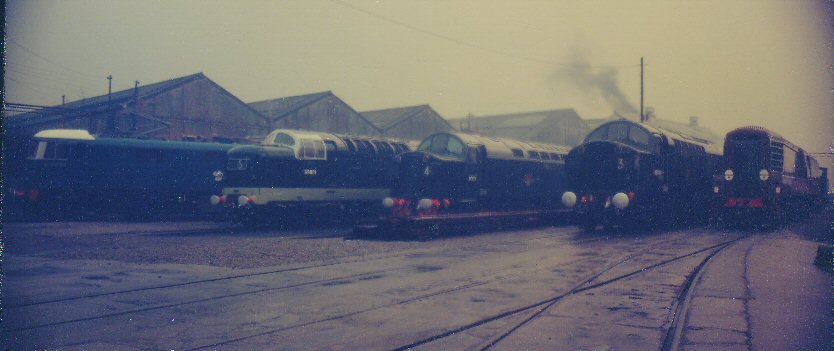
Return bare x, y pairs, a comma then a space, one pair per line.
323, 112
409, 123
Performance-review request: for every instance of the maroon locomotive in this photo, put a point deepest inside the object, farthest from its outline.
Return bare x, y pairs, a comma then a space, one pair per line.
767, 178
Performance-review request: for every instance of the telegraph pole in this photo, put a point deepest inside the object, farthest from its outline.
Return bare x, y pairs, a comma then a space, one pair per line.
111, 122
641, 91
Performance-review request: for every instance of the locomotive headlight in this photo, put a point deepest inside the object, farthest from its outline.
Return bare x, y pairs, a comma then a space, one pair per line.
218, 175
242, 200
728, 174
620, 200
569, 199
388, 202
424, 204
214, 199
764, 175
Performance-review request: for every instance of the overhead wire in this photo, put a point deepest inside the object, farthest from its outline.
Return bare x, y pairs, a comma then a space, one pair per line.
466, 43
30, 51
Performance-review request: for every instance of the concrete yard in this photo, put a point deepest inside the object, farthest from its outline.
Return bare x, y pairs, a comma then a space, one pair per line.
205, 286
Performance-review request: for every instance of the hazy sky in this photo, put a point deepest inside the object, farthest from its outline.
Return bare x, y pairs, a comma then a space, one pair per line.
731, 63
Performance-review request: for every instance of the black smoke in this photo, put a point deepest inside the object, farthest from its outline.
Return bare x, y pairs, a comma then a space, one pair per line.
596, 82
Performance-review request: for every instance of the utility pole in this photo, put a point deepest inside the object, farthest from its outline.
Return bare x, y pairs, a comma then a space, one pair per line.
63, 100
135, 106
642, 118
111, 122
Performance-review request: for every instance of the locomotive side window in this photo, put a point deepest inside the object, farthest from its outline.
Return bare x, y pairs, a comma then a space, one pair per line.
599, 134
455, 147
311, 149
618, 132
638, 136
51, 151
284, 139
545, 156
533, 154
517, 153
330, 145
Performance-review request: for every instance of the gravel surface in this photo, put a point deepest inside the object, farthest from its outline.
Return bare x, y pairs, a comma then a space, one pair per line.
149, 243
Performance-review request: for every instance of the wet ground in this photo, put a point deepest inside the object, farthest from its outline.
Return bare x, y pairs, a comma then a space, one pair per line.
201, 285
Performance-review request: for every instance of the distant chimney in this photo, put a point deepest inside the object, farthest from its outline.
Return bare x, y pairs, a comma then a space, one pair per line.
693, 121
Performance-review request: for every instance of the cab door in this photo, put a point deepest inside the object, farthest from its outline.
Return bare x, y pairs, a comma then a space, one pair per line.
474, 172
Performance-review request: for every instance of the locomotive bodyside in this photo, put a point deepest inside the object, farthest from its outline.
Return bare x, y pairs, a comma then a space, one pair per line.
632, 174
458, 176
299, 169
72, 171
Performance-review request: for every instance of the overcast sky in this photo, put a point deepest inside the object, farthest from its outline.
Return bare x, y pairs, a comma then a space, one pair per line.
731, 63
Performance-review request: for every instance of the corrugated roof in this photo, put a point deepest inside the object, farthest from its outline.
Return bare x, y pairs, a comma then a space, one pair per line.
274, 109
388, 118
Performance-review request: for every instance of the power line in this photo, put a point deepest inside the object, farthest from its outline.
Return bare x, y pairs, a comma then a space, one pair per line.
46, 77
468, 44
50, 61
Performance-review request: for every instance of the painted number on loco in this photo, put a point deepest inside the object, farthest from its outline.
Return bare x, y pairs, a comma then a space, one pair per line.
310, 172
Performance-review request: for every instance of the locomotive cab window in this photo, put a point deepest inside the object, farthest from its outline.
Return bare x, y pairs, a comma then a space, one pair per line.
600, 133
284, 139
443, 144
311, 150
51, 151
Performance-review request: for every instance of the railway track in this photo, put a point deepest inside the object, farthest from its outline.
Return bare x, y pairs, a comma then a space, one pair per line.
405, 254
583, 286
496, 276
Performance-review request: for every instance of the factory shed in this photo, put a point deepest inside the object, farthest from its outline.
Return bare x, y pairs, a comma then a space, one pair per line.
410, 123
187, 108
562, 127
323, 112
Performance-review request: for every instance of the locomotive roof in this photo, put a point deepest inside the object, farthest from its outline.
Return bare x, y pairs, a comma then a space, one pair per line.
711, 146
762, 130
502, 148
83, 136
268, 140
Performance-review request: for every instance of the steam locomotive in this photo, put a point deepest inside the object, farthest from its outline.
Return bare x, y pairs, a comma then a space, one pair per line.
70, 171
461, 177
300, 170
633, 174
767, 178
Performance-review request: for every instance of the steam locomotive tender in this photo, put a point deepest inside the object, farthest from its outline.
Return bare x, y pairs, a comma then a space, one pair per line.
633, 174
460, 177
766, 178
70, 171
301, 170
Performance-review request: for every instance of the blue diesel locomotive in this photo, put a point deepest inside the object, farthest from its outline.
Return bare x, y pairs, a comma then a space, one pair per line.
71, 171
634, 174
301, 170
460, 177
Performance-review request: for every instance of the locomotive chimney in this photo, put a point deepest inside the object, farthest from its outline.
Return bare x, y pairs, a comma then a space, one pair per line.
693, 121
